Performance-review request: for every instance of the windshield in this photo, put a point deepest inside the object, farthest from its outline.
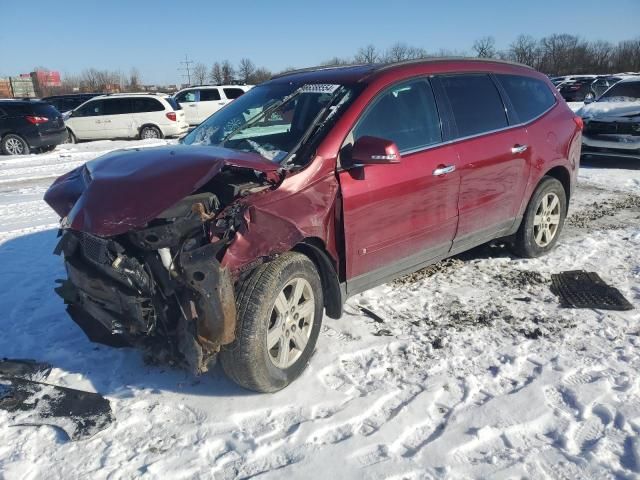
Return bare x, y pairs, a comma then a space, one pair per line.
622, 92
273, 119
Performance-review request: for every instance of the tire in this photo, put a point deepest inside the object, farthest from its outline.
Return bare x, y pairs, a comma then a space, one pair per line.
71, 138
150, 131
14, 145
543, 220
249, 361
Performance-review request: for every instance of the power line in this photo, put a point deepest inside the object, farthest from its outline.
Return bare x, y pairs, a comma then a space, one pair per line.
186, 68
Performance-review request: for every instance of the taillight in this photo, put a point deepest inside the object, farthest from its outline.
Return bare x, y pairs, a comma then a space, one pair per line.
171, 116
579, 122
34, 120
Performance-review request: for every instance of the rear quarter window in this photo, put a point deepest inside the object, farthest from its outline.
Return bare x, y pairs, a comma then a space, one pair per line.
530, 97
142, 105
172, 103
475, 103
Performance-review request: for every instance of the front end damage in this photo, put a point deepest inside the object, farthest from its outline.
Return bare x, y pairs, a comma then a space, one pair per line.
160, 286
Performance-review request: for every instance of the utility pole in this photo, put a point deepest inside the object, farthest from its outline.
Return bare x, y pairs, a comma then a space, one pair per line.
186, 68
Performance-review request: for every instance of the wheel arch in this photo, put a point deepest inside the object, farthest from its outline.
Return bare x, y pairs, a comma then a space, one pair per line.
561, 174
150, 124
315, 250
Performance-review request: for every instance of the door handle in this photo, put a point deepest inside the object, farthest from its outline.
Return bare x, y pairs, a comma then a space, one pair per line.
192, 105
519, 148
443, 170
221, 103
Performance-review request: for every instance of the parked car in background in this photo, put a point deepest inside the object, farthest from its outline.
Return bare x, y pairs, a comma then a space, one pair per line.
127, 115
576, 90
66, 103
612, 122
29, 126
201, 102
234, 243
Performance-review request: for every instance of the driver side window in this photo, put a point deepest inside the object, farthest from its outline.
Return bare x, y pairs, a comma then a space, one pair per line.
91, 109
188, 96
406, 114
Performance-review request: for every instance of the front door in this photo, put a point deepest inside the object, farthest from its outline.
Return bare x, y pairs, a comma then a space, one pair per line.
188, 100
398, 217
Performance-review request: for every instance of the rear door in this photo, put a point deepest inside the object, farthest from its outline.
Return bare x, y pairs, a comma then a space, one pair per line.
146, 111
399, 216
210, 102
118, 122
494, 158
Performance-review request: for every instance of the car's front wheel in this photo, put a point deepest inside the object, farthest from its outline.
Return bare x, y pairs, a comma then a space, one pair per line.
543, 220
280, 309
14, 145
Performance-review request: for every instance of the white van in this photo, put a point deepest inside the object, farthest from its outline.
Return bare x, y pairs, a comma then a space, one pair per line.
127, 115
201, 102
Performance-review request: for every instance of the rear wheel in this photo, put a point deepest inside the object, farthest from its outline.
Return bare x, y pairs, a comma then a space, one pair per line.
280, 309
150, 132
71, 138
543, 219
14, 145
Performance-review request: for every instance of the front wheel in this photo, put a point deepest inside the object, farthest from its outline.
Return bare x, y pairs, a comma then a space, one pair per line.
280, 309
543, 219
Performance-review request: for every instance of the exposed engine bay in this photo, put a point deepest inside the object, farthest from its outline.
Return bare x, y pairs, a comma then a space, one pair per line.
162, 287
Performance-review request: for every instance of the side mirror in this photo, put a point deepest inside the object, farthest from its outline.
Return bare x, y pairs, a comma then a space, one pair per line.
373, 150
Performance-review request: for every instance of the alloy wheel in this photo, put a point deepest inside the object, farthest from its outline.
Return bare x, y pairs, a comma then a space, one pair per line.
14, 146
290, 324
546, 220
150, 133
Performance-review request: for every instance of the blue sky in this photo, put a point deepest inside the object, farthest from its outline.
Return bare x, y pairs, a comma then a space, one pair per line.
154, 36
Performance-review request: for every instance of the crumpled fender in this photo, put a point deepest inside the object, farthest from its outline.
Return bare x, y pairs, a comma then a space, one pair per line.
303, 206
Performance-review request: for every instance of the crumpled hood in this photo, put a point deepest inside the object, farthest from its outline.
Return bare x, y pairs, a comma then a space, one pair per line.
610, 109
125, 189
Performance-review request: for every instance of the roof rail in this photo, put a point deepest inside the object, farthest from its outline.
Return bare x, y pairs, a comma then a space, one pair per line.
320, 67
387, 66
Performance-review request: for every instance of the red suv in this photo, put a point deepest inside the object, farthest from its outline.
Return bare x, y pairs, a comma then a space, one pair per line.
311, 187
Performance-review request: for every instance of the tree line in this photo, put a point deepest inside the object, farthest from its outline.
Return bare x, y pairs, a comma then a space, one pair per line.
557, 54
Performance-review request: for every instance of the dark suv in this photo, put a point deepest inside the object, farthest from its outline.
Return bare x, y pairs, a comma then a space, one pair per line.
66, 103
27, 125
307, 189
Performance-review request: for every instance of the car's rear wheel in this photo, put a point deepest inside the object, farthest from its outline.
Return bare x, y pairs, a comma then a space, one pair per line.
280, 309
150, 132
543, 219
14, 145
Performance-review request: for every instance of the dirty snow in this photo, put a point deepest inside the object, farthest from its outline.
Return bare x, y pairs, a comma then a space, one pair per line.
473, 372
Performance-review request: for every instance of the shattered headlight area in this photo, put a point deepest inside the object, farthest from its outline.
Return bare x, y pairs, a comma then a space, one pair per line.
161, 287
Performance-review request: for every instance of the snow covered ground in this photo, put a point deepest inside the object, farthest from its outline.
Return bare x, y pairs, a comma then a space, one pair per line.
475, 371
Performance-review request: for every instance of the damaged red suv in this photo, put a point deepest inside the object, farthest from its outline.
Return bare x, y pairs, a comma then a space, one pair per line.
311, 187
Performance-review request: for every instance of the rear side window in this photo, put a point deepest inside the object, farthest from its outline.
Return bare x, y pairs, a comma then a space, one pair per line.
406, 114
232, 93
171, 101
141, 105
530, 97
475, 102
209, 94
117, 106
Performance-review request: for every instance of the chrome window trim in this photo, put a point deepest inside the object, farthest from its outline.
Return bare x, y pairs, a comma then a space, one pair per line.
489, 132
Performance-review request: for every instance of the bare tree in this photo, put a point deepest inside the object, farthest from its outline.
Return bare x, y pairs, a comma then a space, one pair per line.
485, 47
524, 49
260, 75
215, 75
367, 54
397, 52
133, 82
227, 72
199, 73
335, 62
246, 68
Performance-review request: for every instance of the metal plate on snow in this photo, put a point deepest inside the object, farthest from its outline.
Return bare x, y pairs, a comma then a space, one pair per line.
580, 289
